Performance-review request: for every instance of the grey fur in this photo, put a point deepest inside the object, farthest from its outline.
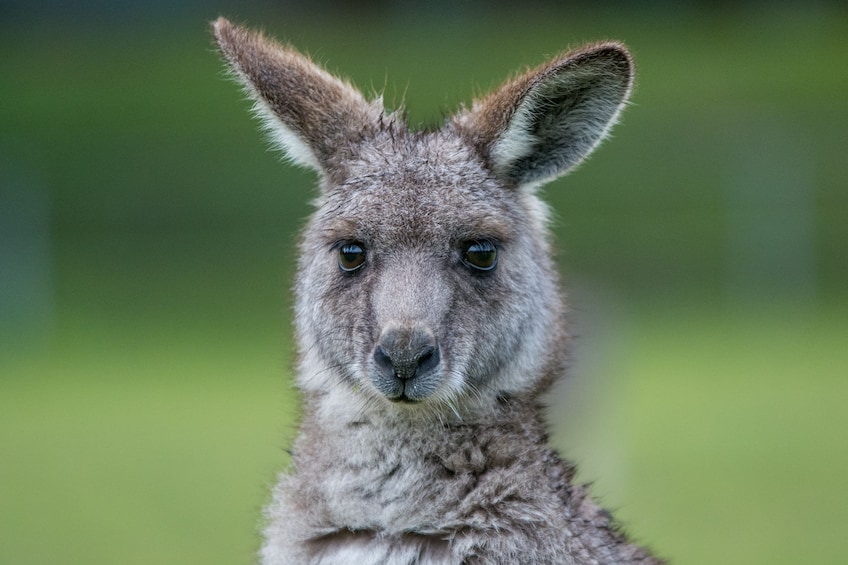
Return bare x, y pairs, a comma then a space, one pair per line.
422, 439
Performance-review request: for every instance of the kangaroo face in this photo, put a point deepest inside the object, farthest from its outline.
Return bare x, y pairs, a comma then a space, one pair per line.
421, 278
425, 275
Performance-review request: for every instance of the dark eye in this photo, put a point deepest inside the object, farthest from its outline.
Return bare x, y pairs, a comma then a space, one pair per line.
351, 257
481, 255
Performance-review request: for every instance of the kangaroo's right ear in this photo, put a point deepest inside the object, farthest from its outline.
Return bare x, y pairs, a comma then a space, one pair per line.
316, 118
539, 125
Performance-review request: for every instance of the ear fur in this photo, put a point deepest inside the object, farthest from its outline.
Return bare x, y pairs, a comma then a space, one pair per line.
541, 124
316, 118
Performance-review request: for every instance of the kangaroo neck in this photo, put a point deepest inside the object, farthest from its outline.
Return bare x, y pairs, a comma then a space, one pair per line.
413, 431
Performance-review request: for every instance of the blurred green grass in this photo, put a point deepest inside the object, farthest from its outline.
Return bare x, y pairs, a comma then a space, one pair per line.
720, 438
145, 397
128, 455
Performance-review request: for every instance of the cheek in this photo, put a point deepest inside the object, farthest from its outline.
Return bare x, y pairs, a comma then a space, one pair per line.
504, 319
340, 314
473, 328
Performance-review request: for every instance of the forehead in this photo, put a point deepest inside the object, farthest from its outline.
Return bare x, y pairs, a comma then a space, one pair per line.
420, 186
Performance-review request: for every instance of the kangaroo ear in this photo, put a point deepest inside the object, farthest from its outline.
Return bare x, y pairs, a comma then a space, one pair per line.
316, 118
539, 125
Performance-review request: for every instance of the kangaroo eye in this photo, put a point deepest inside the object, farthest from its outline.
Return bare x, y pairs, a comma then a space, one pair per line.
351, 257
481, 255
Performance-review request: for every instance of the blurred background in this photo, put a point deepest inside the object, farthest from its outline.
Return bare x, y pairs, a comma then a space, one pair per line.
147, 239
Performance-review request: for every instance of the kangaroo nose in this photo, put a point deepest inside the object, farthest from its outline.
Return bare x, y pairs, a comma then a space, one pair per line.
406, 353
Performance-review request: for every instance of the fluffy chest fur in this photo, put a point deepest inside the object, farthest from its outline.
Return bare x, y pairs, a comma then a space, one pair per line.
401, 476
455, 493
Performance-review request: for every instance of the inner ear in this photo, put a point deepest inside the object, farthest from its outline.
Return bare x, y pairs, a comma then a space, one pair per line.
541, 124
559, 123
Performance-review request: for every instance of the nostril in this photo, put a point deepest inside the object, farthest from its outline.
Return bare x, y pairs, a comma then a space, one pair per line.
428, 358
425, 354
382, 358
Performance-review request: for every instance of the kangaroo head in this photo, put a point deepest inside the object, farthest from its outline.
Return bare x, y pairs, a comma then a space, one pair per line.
425, 275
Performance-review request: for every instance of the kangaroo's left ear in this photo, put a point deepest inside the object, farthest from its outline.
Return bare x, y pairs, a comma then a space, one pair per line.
316, 118
539, 125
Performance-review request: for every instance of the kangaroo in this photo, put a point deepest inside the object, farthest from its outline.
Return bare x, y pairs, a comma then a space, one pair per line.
429, 317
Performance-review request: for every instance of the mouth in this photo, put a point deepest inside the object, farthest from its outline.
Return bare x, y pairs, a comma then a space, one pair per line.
406, 391
404, 399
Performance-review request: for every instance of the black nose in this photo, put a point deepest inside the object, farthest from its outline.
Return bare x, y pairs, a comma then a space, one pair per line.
406, 353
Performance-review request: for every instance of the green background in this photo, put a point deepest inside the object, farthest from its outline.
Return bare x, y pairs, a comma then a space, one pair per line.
147, 242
